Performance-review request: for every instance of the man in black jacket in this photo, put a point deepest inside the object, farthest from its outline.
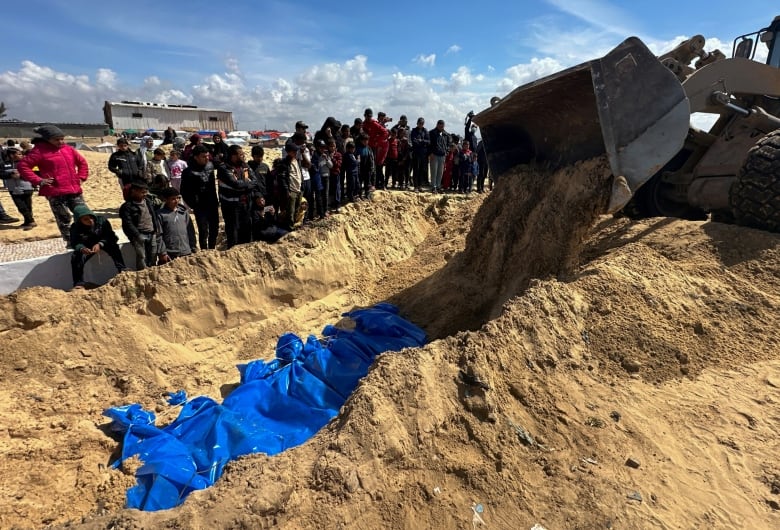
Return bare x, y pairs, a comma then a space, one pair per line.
199, 191
236, 182
125, 164
440, 144
420, 145
89, 234
142, 227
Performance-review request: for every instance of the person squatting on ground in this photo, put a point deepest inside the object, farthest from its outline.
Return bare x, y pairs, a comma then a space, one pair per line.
264, 227
89, 234
142, 227
21, 191
236, 183
62, 171
178, 234
198, 189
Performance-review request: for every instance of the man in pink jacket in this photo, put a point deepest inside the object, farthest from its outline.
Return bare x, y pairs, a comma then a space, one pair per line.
61, 169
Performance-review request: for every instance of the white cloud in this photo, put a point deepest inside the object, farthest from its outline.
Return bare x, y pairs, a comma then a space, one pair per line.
343, 90
425, 60
462, 78
106, 78
36, 92
521, 74
453, 49
173, 96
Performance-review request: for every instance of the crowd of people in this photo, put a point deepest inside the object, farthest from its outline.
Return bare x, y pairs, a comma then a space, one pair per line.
164, 191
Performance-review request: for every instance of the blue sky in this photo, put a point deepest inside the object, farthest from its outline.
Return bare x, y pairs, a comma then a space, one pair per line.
274, 62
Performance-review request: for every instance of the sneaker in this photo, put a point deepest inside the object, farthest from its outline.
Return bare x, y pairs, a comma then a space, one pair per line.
7, 219
28, 226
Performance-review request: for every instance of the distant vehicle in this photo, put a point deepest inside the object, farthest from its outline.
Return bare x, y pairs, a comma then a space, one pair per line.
157, 142
244, 135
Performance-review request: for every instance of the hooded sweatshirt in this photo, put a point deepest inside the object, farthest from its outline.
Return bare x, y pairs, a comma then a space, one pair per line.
82, 236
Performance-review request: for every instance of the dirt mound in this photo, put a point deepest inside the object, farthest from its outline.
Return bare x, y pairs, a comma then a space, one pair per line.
560, 355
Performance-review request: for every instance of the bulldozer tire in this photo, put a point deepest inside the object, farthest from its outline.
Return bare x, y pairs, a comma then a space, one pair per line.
755, 196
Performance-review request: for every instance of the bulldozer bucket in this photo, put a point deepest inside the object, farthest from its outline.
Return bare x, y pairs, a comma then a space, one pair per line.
625, 104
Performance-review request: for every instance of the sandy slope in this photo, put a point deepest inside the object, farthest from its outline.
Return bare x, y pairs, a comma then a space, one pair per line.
654, 340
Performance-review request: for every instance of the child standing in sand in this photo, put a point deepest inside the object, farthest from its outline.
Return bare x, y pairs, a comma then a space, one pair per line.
176, 167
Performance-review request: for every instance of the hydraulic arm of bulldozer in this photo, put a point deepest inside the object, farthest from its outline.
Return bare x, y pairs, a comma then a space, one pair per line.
679, 59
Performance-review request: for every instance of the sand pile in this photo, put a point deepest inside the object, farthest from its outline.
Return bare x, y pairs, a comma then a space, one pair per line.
561, 354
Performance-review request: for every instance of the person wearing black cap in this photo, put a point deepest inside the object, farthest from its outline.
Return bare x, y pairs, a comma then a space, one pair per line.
178, 234
89, 234
142, 227
62, 169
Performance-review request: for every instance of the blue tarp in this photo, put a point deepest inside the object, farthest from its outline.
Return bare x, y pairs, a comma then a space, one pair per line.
278, 405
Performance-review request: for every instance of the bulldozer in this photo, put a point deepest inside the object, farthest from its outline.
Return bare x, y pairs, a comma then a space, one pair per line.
636, 108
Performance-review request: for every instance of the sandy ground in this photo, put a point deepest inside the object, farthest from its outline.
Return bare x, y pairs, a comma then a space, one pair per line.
601, 340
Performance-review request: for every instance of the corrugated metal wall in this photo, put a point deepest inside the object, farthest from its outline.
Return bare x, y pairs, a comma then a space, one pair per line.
159, 118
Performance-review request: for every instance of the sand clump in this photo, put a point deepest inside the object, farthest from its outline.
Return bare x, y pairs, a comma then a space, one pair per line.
599, 340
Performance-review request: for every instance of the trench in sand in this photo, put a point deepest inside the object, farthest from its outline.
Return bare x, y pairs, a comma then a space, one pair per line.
411, 425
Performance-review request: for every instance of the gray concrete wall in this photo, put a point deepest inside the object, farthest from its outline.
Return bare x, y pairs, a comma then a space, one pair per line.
21, 130
54, 271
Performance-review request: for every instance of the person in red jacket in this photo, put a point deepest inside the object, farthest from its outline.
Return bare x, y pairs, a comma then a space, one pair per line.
62, 170
378, 141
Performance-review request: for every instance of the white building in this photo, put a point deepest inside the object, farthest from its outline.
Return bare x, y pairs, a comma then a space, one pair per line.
139, 116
